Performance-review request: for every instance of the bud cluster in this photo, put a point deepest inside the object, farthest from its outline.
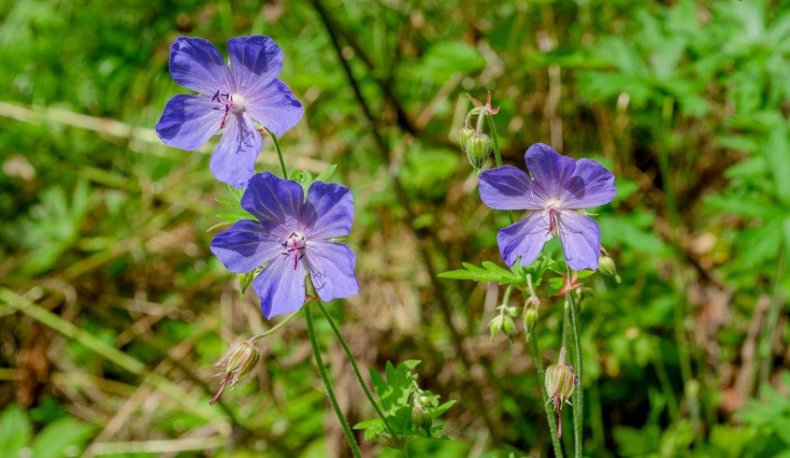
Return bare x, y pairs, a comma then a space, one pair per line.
420, 411
473, 141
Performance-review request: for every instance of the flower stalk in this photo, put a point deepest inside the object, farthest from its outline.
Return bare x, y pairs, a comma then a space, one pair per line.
578, 398
330, 391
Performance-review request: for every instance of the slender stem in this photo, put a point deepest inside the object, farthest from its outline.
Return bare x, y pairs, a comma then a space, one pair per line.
279, 153
578, 396
494, 141
552, 420
425, 245
275, 328
353, 362
764, 350
330, 392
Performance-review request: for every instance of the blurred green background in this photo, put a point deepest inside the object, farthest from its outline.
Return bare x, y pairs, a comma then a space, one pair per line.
113, 310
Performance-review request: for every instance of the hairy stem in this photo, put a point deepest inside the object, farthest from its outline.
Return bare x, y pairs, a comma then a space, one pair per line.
354, 366
552, 420
403, 199
330, 392
274, 328
578, 396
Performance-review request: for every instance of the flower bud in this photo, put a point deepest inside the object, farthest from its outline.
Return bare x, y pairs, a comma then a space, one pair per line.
530, 318
478, 148
238, 362
463, 136
495, 325
533, 302
242, 359
607, 267
560, 383
421, 417
504, 323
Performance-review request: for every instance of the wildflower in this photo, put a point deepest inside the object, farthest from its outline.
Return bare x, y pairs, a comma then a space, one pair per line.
237, 363
291, 237
228, 99
558, 187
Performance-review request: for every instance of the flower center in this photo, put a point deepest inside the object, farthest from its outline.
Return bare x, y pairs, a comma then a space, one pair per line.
237, 103
554, 204
294, 246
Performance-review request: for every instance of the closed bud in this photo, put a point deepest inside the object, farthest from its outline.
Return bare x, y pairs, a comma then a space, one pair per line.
421, 418
242, 359
464, 135
478, 148
502, 323
530, 318
238, 362
495, 325
560, 383
607, 267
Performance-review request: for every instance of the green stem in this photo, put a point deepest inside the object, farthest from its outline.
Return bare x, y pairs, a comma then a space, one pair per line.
552, 420
578, 397
275, 328
279, 153
330, 392
357, 373
764, 350
494, 141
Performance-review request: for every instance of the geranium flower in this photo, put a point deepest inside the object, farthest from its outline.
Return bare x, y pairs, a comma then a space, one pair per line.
559, 186
291, 237
230, 100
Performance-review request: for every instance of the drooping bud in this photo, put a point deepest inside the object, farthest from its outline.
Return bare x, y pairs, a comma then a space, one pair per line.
607, 267
560, 383
464, 135
530, 318
502, 323
533, 302
495, 325
478, 148
421, 417
237, 363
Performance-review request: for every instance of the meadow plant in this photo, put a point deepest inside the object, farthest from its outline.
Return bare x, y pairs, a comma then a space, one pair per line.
292, 252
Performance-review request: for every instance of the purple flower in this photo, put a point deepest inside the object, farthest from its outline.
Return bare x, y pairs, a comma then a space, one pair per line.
228, 99
292, 236
558, 187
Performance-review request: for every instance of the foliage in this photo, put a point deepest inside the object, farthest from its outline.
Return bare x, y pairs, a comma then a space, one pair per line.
104, 227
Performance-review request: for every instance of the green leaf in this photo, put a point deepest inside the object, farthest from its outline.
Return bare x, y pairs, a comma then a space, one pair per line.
324, 176
489, 272
14, 431
64, 437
